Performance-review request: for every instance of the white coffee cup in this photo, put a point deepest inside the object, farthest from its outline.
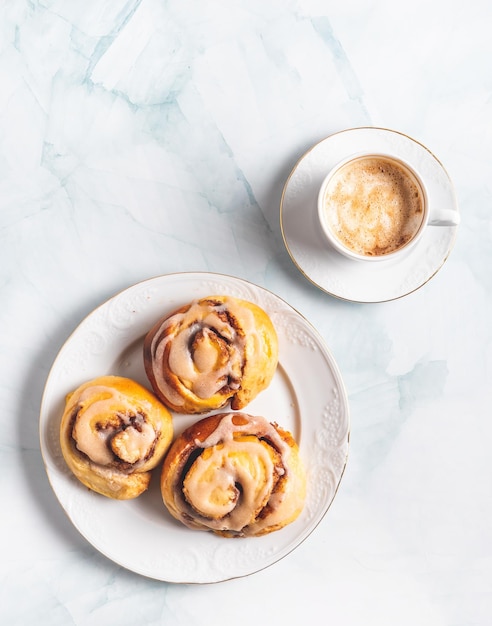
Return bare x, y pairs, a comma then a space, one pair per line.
375, 207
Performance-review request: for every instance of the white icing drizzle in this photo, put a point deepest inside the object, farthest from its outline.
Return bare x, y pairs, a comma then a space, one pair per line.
204, 351
125, 433
255, 425
234, 478
211, 484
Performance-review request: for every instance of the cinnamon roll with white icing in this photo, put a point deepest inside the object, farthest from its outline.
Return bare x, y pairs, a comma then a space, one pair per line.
113, 433
210, 352
235, 474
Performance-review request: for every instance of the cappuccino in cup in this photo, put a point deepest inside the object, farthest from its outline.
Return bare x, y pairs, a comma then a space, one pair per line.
372, 206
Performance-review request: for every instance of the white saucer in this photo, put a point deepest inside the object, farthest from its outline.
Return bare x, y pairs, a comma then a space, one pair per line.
330, 271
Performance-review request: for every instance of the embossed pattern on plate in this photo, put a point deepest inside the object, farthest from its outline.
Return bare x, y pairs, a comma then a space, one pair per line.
306, 396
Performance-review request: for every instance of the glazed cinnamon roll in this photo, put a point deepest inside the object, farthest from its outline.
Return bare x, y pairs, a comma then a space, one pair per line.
234, 474
113, 433
210, 352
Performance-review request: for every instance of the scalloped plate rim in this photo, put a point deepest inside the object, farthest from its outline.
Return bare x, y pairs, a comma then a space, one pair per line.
87, 510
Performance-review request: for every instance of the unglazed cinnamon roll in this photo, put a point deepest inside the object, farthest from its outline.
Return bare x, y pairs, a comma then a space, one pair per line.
210, 352
235, 474
113, 433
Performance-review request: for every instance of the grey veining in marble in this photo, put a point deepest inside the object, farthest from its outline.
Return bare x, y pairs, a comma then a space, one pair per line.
140, 138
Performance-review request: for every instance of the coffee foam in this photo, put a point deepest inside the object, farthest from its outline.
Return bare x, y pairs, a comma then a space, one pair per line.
373, 206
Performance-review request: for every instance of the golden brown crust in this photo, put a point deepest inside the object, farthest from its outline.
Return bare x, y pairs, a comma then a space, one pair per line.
210, 352
113, 432
234, 474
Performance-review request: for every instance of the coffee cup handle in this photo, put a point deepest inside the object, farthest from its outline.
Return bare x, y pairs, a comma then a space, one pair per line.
444, 217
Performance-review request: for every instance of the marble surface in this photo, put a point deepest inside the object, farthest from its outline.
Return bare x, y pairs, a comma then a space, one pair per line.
144, 137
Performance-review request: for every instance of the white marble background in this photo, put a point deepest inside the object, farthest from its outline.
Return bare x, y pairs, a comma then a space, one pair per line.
142, 137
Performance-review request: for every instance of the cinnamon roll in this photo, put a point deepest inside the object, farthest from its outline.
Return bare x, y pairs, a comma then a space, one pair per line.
210, 352
235, 474
113, 433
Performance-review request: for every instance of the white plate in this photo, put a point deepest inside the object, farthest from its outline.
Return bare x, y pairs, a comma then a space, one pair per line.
332, 272
306, 396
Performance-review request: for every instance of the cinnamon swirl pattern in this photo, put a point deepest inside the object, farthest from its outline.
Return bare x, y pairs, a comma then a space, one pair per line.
235, 474
113, 433
210, 352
